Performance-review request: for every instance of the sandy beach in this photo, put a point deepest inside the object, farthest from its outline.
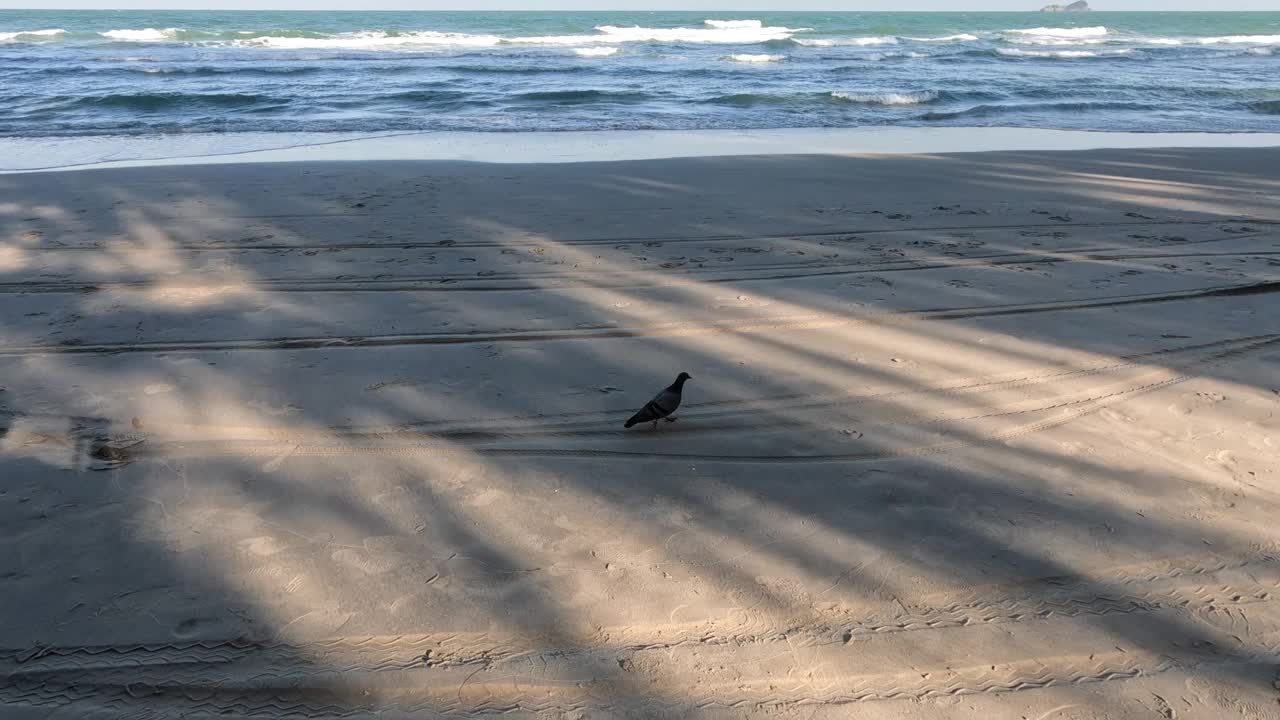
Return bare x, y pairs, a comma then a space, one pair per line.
978, 436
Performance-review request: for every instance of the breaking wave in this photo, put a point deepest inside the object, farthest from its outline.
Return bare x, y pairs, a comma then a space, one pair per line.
31, 34
907, 98
1062, 54
858, 41
752, 58
145, 35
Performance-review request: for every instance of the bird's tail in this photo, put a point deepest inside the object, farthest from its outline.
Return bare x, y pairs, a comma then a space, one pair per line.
638, 417
629, 423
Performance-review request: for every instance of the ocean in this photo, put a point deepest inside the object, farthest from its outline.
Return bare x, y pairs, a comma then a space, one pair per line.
109, 73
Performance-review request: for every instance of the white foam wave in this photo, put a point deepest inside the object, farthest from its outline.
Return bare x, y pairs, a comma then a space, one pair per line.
899, 55
961, 37
909, 98
1097, 31
1241, 40
1261, 51
729, 35
595, 52
1057, 36
558, 40
1057, 42
145, 35
859, 41
1065, 54
373, 40
8, 36
733, 24
750, 58
605, 35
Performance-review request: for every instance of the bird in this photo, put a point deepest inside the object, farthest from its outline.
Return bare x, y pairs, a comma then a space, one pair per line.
662, 404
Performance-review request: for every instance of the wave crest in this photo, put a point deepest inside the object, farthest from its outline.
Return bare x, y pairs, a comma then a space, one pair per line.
11, 36
161, 101
733, 24
988, 110
1241, 40
906, 98
959, 37
1057, 36
740, 35
1062, 54
144, 35
1097, 31
372, 40
857, 42
755, 58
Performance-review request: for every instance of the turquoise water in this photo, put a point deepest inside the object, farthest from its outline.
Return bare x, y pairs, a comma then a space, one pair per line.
75, 73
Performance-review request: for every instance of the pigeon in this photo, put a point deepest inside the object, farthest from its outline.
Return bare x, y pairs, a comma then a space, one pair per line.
662, 404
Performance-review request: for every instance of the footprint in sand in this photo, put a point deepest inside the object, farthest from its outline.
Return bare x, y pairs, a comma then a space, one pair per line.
1232, 701
1191, 402
1073, 448
265, 546
376, 558
740, 301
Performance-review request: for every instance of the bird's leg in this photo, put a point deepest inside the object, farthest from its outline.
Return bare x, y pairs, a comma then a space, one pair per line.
655, 425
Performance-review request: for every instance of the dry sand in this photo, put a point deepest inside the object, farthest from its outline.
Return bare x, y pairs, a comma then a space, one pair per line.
969, 436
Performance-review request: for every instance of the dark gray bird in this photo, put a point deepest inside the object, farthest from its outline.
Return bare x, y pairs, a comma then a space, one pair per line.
662, 404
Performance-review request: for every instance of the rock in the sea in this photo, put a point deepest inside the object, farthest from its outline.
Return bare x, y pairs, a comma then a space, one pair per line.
1077, 6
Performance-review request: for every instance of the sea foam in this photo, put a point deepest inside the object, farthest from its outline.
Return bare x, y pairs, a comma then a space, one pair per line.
960, 37
10, 36
1057, 36
753, 58
726, 35
1062, 54
374, 40
857, 41
907, 98
1097, 31
733, 24
1242, 40
144, 35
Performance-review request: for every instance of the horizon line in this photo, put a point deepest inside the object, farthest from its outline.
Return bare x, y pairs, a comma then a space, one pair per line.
1091, 11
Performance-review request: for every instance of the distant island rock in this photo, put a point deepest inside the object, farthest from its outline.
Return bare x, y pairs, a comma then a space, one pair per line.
1077, 6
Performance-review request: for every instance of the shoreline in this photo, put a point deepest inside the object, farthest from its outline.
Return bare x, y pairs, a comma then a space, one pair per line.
101, 152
